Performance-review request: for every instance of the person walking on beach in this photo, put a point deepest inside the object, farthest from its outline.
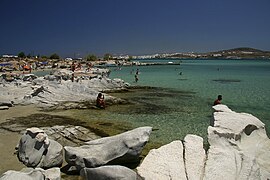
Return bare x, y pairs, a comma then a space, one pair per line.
100, 101
218, 100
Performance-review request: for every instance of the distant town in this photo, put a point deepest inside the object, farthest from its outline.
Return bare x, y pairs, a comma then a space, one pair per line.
237, 53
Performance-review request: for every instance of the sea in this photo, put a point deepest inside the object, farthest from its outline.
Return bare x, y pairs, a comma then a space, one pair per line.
182, 101
177, 100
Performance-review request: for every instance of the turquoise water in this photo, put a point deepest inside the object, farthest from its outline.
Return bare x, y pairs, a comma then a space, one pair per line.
182, 103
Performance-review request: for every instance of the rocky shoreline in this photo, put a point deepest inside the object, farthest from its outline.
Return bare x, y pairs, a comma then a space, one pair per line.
238, 149
238, 144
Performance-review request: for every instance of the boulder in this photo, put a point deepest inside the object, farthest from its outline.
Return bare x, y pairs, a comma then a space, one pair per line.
125, 147
165, 162
52, 174
239, 147
6, 103
194, 157
4, 107
109, 172
32, 174
24, 174
36, 150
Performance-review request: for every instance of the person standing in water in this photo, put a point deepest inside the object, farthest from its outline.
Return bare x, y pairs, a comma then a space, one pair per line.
137, 75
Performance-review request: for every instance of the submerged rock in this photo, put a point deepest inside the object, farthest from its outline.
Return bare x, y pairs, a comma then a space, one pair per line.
35, 149
109, 172
125, 147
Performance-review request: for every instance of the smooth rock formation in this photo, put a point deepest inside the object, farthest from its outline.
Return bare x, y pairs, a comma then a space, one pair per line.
164, 163
6, 103
70, 135
239, 147
109, 172
4, 107
194, 157
32, 174
36, 150
125, 147
52, 91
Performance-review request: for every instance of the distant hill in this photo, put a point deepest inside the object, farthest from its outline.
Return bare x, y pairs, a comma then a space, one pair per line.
244, 49
242, 53
235, 53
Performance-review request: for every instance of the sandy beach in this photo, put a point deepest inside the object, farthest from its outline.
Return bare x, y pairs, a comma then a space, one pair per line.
9, 140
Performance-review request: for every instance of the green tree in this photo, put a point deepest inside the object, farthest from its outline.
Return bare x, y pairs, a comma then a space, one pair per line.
107, 56
91, 57
21, 55
130, 58
54, 56
44, 57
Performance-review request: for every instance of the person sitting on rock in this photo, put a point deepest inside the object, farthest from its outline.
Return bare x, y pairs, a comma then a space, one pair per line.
100, 101
218, 100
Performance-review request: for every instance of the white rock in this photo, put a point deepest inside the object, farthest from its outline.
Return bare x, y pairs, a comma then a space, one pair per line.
164, 163
24, 174
194, 157
32, 174
125, 147
4, 107
221, 108
52, 174
36, 150
109, 172
51, 93
239, 147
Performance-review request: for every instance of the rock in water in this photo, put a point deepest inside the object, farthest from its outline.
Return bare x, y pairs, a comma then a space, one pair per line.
109, 172
239, 147
164, 163
125, 147
36, 150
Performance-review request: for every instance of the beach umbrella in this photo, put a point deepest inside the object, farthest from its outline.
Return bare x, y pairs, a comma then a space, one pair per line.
5, 64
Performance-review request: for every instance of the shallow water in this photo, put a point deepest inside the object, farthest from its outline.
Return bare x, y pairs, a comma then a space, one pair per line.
181, 102
191, 89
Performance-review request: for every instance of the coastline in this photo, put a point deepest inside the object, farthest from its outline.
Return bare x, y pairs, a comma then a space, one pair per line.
27, 111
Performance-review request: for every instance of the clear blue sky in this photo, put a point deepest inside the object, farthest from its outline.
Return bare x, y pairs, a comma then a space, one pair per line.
132, 27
